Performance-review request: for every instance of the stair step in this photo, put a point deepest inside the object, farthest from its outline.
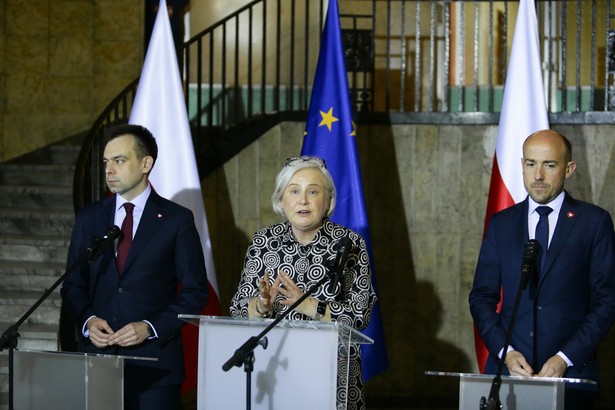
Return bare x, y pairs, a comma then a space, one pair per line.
37, 174
36, 336
48, 344
29, 276
36, 197
4, 382
31, 268
36, 222
14, 304
38, 249
64, 153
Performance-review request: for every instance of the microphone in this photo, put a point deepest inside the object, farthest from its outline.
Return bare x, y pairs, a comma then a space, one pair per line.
343, 247
528, 264
529, 272
98, 243
528, 268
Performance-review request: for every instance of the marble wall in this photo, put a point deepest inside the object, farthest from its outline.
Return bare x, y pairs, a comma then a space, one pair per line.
61, 62
426, 190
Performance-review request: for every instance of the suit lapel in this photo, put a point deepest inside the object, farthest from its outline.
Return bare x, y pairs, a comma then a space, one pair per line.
519, 236
565, 222
104, 220
152, 218
98, 225
518, 231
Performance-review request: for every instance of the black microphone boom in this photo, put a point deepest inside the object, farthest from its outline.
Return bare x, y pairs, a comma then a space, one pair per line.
343, 246
528, 269
98, 243
10, 337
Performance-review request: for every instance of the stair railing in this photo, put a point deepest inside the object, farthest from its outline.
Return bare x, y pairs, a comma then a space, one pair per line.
418, 59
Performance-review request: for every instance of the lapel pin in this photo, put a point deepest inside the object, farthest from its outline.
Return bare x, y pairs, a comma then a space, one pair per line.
159, 216
570, 214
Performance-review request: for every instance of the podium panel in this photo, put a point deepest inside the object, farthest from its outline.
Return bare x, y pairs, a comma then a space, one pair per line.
516, 393
297, 370
67, 381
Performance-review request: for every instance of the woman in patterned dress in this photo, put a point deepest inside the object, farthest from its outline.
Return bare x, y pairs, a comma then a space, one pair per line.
285, 259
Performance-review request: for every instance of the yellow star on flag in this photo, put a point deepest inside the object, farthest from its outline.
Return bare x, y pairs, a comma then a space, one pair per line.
354, 130
327, 118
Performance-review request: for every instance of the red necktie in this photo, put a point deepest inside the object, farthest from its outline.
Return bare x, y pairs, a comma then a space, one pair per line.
123, 246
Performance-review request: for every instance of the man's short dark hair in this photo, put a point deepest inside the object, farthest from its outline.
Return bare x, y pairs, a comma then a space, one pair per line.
145, 143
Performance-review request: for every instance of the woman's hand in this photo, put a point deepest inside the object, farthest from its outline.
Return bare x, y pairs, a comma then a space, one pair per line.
266, 293
291, 293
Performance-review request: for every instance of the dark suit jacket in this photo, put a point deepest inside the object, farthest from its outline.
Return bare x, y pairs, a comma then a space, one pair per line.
164, 275
574, 302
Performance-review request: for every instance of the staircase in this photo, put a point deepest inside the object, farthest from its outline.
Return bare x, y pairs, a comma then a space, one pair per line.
36, 219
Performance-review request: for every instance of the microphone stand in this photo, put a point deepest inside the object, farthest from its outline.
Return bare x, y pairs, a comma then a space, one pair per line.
244, 355
9, 338
493, 402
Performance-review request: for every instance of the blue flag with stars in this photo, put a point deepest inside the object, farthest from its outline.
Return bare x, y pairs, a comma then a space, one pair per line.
330, 134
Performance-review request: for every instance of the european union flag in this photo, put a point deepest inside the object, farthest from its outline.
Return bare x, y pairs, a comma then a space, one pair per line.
330, 134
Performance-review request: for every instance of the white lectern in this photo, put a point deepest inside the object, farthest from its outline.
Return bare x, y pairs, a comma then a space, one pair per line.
67, 381
516, 392
297, 370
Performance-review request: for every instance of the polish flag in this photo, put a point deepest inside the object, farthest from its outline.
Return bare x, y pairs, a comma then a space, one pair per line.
524, 111
159, 106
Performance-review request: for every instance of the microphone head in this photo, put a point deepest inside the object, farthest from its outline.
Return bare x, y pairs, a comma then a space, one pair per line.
99, 243
531, 247
113, 232
344, 244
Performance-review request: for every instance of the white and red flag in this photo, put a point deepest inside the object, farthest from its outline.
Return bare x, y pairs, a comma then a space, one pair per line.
524, 111
160, 107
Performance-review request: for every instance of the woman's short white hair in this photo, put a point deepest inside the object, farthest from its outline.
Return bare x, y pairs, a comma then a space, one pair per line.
286, 174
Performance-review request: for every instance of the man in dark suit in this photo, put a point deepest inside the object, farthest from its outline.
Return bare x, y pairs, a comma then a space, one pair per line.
570, 302
132, 309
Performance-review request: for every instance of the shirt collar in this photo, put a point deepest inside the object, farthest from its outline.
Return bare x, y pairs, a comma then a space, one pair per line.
290, 237
139, 201
556, 204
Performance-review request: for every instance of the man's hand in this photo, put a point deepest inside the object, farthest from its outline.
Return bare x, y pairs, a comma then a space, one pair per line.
99, 332
554, 367
130, 335
517, 365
